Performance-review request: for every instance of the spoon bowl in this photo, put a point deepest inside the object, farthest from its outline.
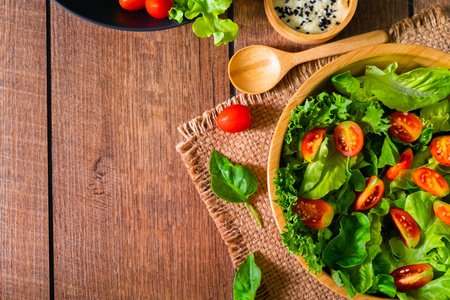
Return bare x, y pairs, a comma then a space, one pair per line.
256, 69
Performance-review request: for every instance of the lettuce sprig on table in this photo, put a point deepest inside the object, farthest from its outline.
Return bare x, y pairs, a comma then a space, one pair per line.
207, 20
360, 250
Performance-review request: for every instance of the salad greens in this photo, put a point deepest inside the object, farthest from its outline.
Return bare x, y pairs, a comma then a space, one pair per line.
247, 279
361, 249
209, 23
232, 183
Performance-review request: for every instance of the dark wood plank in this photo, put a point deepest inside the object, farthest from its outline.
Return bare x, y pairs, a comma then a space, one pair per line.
24, 256
128, 222
424, 4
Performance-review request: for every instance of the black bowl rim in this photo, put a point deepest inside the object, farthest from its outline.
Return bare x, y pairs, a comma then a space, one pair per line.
173, 25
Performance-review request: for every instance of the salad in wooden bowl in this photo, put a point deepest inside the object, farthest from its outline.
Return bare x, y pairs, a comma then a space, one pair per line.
359, 173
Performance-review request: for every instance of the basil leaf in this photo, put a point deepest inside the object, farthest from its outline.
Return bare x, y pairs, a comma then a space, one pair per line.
247, 279
232, 183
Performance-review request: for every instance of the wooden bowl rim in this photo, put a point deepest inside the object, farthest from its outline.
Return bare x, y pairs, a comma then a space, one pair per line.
298, 98
299, 37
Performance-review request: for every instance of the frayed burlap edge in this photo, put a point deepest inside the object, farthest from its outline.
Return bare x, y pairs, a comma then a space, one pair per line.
188, 149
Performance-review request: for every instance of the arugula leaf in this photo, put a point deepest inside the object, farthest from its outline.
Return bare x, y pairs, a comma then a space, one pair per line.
408, 91
232, 183
209, 23
348, 249
247, 279
437, 116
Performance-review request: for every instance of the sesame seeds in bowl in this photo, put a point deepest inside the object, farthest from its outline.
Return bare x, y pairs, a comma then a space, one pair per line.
309, 21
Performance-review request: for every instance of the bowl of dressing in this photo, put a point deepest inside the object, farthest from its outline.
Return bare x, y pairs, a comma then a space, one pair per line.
309, 21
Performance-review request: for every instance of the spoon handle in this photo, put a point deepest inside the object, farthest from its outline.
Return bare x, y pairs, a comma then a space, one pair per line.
340, 47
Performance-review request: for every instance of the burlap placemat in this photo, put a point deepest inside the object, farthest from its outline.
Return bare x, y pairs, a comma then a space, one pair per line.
283, 276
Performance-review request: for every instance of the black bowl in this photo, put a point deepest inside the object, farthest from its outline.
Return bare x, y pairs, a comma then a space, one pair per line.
108, 13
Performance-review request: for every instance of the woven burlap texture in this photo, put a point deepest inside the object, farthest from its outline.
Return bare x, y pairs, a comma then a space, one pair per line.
283, 276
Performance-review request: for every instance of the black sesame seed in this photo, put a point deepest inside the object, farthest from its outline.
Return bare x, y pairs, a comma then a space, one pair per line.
307, 32
297, 28
288, 20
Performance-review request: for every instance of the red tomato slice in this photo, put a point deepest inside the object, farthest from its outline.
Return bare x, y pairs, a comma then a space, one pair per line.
440, 148
234, 118
406, 227
371, 195
412, 277
404, 163
158, 8
132, 4
317, 214
348, 138
405, 126
311, 143
442, 211
431, 181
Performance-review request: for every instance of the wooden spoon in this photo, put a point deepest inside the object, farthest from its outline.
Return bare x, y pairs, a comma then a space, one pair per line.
256, 69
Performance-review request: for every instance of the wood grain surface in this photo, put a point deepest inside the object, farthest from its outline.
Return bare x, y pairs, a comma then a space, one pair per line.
127, 221
24, 256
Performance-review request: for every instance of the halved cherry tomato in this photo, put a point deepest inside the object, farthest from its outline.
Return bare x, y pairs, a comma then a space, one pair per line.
406, 227
440, 148
348, 138
371, 195
311, 143
234, 118
431, 181
317, 214
404, 163
405, 126
132, 4
442, 211
158, 8
412, 277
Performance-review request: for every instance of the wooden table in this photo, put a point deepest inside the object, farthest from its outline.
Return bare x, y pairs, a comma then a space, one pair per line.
95, 203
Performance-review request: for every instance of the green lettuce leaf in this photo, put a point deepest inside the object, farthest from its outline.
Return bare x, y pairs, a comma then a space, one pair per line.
437, 116
207, 21
408, 91
389, 153
350, 86
386, 285
348, 249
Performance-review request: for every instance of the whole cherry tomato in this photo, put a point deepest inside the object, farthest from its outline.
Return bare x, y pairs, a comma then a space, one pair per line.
405, 126
440, 148
348, 138
311, 143
234, 118
406, 227
404, 163
317, 213
371, 195
132, 4
412, 277
431, 181
442, 211
158, 8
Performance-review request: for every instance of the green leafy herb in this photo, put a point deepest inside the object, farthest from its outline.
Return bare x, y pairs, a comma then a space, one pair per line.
209, 23
232, 183
408, 91
437, 116
350, 86
348, 249
247, 279
389, 153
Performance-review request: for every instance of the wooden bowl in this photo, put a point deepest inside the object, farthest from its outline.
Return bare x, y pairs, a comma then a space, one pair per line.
408, 57
303, 38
